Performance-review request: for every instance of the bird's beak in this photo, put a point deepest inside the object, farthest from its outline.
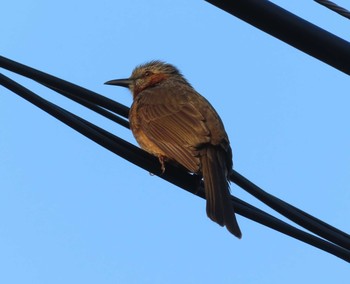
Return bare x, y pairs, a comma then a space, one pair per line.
120, 82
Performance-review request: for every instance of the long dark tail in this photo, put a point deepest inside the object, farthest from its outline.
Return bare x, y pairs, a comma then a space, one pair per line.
217, 191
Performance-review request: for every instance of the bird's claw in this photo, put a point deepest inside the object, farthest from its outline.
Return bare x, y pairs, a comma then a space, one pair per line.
162, 164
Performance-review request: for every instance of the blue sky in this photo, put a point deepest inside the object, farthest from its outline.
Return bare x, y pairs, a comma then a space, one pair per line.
72, 212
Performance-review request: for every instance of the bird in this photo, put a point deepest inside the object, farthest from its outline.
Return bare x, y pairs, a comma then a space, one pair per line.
172, 121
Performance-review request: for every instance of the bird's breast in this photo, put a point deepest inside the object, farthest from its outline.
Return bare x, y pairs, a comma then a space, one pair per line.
140, 136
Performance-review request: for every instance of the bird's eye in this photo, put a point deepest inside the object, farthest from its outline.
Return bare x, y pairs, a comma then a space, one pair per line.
148, 73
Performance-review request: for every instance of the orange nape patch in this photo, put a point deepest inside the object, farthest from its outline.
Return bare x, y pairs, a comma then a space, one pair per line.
150, 82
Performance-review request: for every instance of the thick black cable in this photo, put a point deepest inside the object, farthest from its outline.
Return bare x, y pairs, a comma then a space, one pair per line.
291, 29
300, 217
85, 97
62, 85
96, 108
119, 146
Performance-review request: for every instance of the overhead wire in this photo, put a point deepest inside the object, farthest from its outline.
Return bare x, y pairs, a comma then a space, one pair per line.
290, 29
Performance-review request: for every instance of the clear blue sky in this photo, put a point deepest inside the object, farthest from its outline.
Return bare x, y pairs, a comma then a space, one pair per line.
72, 212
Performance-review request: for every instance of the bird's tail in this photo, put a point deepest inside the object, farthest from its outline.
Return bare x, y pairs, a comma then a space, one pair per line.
217, 192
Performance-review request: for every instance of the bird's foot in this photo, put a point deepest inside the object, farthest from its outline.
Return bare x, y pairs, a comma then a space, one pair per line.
199, 184
162, 164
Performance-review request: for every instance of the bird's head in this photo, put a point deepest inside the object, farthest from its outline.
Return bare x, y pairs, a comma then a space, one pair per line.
148, 75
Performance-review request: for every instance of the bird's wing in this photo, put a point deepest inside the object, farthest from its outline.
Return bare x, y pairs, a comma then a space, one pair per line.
173, 123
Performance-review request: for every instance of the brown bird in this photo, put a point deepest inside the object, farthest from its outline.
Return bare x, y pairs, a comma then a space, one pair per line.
170, 120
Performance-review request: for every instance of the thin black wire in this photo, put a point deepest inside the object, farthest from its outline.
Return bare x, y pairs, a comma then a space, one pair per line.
172, 174
300, 217
334, 7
